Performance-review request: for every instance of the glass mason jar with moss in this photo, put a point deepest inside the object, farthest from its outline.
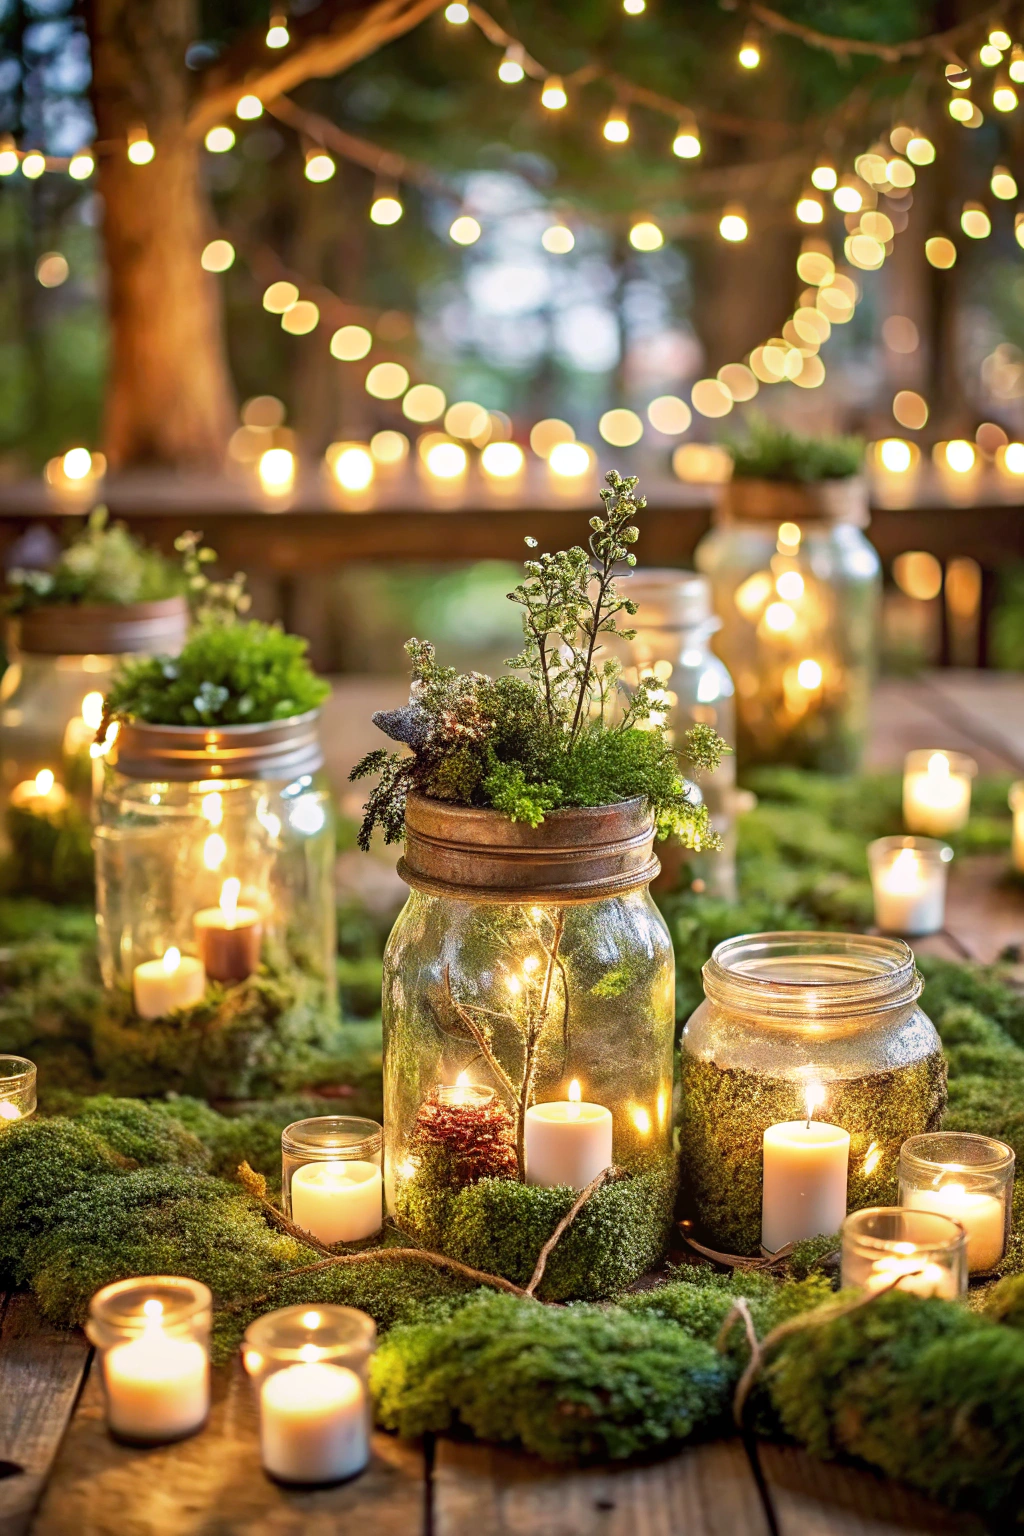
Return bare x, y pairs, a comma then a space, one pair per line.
528, 1027
796, 585
792, 1020
214, 866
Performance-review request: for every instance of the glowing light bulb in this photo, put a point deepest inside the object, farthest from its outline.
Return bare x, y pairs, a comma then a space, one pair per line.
220, 139
217, 256
140, 150
809, 210
77, 463
642, 1120
276, 469
1003, 183
809, 674
33, 165
749, 56
848, 198
320, 165
465, 230
732, 226
1004, 97
646, 236
824, 177
531, 963
553, 95
895, 455
960, 456
278, 35
353, 469
790, 586
8, 156
502, 460
779, 617
558, 239
81, 166
616, 126
386, 210
634, 7
510, 70
569, 459
446, 461
248, 108
686, 143
458, 15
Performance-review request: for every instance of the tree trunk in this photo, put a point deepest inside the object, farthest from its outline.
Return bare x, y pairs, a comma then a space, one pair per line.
169, 393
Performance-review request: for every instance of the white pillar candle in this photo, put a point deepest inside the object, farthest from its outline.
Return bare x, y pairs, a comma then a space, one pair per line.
910, 892
175, 981
338, 1202
936, 798
569, 1142
805, 1172
158, 1386
920, 1276
982, 1216
313, 1423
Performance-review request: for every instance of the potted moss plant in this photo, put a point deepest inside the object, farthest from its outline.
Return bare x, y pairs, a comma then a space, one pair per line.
797, 586
529, 981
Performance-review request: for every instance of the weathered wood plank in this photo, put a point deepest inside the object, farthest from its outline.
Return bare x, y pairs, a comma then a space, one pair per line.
40, 1374
212, 1485
825, 1498
705, 1490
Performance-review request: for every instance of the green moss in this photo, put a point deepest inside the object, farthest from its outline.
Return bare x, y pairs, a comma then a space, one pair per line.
582, 1383
102, 563
771, 452
726, 1111
700, 1299
48, 856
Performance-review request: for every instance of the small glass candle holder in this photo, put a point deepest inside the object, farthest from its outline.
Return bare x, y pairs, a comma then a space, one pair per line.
937, 791
309, 1367
1016, 803
331, 1178
967, 1177
908, 881
17, 1089
153, 1338
891, 1248
461, 1095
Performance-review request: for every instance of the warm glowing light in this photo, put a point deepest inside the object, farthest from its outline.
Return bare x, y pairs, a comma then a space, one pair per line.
320, 165
353, 468
386, 210
220, 139
350, 343
989, 56
895, 455
229, 894
569, 460
646, 236
217, 256
278, 35
749, 56
788, 537
814, 1098
1003, 183
848, 198
215, 851
558, 239
553, 95
814, 265
1016, 70
864, 252
389, 447
77, 463
918, 574
809, 674
1004, 97
686, 143
171, 962
248, 108
140, 150
920, 150
642, 1120
212, 808
386, 381
276, 469
424, 402
809, 210
958, 77
8, 156
52, 270
510, 70
621, 428
45, 780
92, 710
80, 166
999, 38
732, 226
575, 1094
900, 174
616, 126
466, 419
790, 585
545, 435
960, 456
634, 7
1012, 458
975, 222
301, 318
458, 15
961, 110
447, 461
872, 1158
465, 230
280, 297
531, 963
910, 409
940, 252
711, 398
779, 617
824, 177
503, 461
514, 985
669, 414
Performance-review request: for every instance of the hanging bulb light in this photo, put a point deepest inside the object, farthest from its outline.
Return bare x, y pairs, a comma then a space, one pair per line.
140, 150
33, 165
1004, 97
320, 165
248, 108
278, 35
634, 7
686, 143
989, 56
809, 209
1016, 69
999, 38
1003, 183
8, 156
386, 208
81, 165
553, 95
457, 14
825, 176
749, 56
848, 196
220, 139
733, 226
958, 76
510, 70
616, 126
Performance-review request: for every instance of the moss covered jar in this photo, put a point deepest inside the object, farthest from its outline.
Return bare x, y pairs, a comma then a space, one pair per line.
785, 1013
528, 1039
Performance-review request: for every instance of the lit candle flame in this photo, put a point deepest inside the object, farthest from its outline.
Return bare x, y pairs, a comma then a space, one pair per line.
814, 1098
311, 1319
45, 780
310, 1353
575, 1095
531, 963
215, 851
229, 893
461, 1084
92, 710
172, 959
100, 748
938, 765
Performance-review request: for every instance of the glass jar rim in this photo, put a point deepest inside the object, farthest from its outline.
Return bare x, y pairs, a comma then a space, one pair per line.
920, 757
23, 1073
329, 1137
870, 975
948, 1234
182, 1301
286, 1335
915, 1150
930, 849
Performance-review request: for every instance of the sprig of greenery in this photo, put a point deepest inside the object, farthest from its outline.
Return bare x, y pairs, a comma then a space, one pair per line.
771, 452
211, 602
103, 563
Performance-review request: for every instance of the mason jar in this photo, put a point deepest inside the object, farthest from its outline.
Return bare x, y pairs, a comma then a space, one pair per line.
795, 1024
797, 586
672, 651
214, 864
331, 1177
528, 1008
153, 1338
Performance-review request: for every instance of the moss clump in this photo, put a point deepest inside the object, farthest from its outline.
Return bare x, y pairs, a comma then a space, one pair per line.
699, 1301
49, 856
576, 1384
771, 452
500, 1226
923, 1391
726, 1111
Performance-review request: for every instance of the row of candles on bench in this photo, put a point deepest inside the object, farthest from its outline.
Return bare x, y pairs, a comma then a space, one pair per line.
309, 1364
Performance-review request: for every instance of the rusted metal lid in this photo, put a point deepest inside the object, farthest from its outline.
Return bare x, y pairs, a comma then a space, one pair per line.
573, 856
272, 749
103, 629
794, 501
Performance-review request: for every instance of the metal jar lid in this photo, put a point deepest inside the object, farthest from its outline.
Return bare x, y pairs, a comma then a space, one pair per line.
745, 499
271, 749
103, 629
573, 856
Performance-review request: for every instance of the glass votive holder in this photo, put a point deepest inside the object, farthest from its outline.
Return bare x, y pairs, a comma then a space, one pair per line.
309, 1367
891, 1248
331, 1178
967, 1177
908, 882
937, 791
153, 1338
17, 1089
1016, 803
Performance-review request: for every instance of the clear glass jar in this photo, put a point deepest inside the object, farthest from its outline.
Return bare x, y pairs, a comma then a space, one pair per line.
309, 1367
331, 1181
889, 1248
908, 882
153, 1338
785, 1014
528, 969
797, 587
17, 1089
674, 624
214, 859
966, 1177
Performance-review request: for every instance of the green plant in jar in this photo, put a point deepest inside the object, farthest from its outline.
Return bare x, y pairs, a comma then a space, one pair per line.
529, 981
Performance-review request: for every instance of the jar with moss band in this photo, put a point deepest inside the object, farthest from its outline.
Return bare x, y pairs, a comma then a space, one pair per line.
783, 1011
529, 965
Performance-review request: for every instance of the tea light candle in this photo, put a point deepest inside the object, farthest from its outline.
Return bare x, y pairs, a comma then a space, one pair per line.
313, 1423
908, 879
567, 1142
158, 1387
806, 1163
229, 936
982, 1216
937, 791
919, 1275
160, 986
338, 1202
42, 796
966, 1177
892, 1247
